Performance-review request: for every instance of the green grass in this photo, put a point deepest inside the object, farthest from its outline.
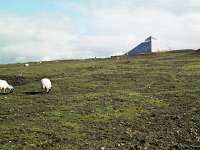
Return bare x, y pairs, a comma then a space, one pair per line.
147, 101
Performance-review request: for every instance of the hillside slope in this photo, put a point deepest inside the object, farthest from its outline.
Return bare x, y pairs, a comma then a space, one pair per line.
142, 102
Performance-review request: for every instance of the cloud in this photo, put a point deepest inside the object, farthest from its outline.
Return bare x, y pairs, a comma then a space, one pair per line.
46, 58
35, 36
195, 2
96, 29
21, 59
180, 31
26, 38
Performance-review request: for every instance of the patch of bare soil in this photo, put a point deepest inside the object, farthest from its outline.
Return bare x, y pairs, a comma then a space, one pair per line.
15, 80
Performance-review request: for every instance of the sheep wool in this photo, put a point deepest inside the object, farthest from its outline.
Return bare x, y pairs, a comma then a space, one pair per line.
45, 85
4, 85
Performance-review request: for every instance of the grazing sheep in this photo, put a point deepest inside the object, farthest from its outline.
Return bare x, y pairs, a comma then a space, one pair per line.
4, 85
26, 65
45, 85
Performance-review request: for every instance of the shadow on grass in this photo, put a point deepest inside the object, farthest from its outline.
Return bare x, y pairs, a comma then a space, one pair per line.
5, 93
33, 93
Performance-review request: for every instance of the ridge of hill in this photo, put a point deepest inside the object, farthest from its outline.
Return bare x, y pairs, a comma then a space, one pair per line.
149, 101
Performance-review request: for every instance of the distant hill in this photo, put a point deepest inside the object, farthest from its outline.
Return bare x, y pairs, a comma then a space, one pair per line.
198, 50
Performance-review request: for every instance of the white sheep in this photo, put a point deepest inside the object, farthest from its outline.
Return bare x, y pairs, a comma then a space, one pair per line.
45, 85
26, 65
4, 85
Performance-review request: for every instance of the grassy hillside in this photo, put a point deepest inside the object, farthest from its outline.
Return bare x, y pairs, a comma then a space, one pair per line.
142, 102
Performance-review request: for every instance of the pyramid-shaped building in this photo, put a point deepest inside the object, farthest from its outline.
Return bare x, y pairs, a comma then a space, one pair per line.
151, 44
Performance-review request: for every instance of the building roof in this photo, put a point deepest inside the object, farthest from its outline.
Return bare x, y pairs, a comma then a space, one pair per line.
151, 44
150, 39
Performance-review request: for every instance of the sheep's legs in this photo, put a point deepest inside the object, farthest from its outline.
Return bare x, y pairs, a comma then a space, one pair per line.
4, 90
48, 90
44, 90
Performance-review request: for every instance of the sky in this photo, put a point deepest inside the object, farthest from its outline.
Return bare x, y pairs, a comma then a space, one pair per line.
42, 30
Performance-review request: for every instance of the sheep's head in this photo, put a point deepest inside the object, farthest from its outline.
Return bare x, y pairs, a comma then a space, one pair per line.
11, 88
